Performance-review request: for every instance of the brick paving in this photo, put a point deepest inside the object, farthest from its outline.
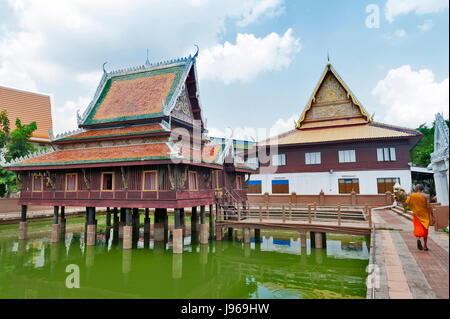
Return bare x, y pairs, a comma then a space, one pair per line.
433, 264
410, 273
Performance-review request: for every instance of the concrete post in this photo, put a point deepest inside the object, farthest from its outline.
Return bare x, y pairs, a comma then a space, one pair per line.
246, 235
318, 240
177, 233
92, 227
23, 224
219, 234
303, 239
55, 226
127, 230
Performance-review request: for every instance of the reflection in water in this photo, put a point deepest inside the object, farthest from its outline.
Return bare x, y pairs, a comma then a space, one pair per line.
276, 267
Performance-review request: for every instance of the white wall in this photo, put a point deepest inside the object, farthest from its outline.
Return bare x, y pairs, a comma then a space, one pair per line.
313, 183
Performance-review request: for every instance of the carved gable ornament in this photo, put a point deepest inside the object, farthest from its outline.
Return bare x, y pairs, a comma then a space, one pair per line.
183, 109
332, 100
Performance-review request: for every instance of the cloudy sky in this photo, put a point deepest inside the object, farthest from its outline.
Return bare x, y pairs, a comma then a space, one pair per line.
259, 59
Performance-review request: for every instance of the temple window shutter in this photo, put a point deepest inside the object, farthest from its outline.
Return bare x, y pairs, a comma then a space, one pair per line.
150, 181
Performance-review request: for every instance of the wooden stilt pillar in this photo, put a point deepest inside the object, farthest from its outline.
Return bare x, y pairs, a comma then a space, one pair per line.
159, 224
194, 220
108, 216
183, 221
127, 230
23, 224
203, 227
146, 222
257, 236
177, 233
115, 217
211, 222
62, 226
230, 232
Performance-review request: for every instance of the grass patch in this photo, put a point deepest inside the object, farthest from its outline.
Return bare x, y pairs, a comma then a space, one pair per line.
387, 228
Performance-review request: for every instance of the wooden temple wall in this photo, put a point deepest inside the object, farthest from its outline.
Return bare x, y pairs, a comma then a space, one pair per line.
54, 192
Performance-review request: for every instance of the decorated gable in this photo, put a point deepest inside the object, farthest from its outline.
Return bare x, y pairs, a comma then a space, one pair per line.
332, 102
183, 108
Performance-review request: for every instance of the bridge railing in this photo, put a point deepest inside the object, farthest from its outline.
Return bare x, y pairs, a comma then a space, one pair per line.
286, 213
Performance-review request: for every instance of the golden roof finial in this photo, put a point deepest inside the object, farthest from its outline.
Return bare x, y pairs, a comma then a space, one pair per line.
328, 57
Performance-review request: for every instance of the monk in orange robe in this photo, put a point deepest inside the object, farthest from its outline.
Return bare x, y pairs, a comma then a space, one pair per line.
419, 202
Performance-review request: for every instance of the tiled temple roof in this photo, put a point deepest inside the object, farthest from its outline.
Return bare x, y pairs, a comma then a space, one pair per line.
106, 133
28, 107
100, 155
342, 133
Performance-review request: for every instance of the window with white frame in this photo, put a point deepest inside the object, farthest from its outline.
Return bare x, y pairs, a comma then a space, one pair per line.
279, 160
386, 154
312, 158
348, 156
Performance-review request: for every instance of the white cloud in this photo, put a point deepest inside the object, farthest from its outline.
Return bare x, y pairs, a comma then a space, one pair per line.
400, 33
427, 25
58, 46
411, 98
65, 118
256, 9
247, 58
395, 8
283, 126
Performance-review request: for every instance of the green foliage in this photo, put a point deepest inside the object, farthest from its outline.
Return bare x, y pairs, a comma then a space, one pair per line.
421, 153
19, 144
16, 144
4, 128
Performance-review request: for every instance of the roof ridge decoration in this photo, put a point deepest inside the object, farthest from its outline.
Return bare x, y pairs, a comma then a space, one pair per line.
65, 134
39, 152
350, 95
137, 69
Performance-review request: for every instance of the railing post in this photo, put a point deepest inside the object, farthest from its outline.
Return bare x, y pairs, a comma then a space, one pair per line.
315, 210
260, 213
339, 214
290, 212
284, 214
309, 214
369, 214
267, 211
239, 212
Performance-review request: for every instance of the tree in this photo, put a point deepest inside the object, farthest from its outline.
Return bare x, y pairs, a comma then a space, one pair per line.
12, 146
421, 153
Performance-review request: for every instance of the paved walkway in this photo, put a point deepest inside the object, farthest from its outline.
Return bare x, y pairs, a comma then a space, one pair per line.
404, 271
35, 214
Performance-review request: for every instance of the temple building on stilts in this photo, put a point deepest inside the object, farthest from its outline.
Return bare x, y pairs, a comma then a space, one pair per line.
141, 144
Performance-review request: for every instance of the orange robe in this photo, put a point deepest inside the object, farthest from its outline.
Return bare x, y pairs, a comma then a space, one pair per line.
421, 214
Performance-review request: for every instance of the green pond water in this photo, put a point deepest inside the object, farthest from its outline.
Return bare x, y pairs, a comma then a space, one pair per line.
275, 268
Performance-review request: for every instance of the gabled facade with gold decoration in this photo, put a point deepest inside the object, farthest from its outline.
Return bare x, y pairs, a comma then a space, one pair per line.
336, 147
